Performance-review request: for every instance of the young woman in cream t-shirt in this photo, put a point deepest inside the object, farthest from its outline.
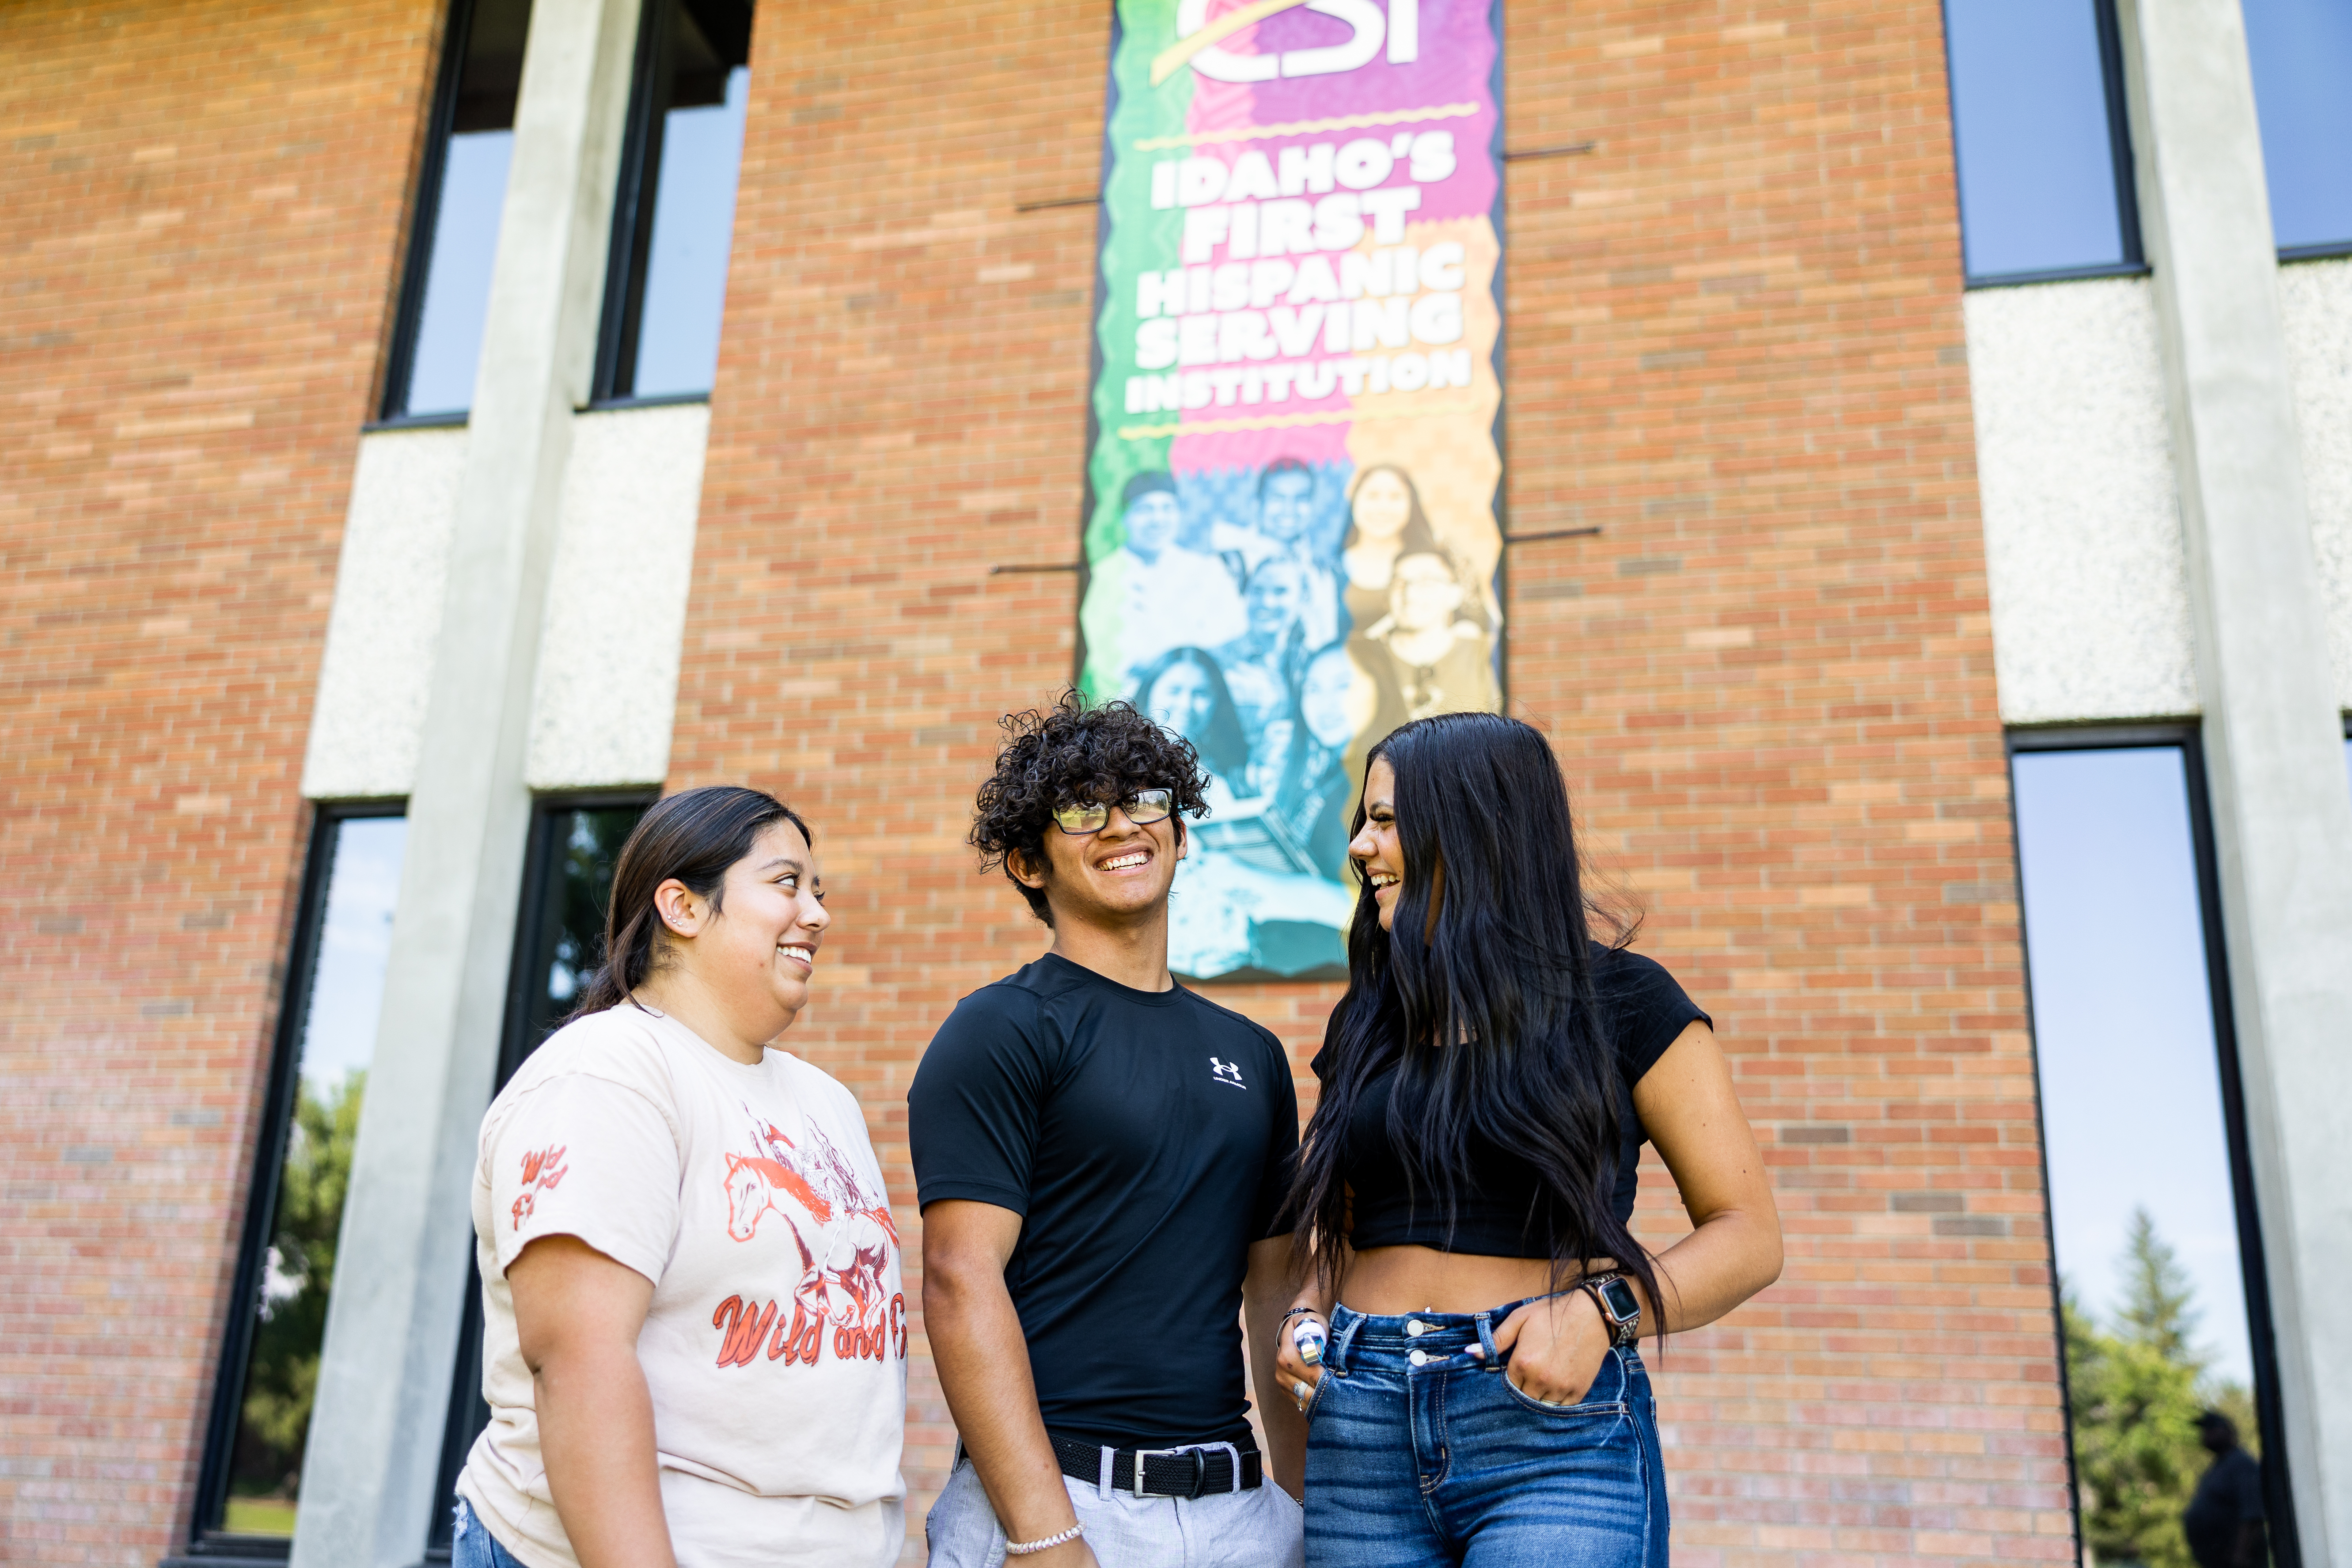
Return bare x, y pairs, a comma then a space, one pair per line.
696, 1336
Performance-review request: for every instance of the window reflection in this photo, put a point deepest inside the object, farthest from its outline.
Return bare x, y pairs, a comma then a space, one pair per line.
2302, 56
2036, 132
569, 941
567, 888
2142, 1205
468, 193
337, 1041
677, 217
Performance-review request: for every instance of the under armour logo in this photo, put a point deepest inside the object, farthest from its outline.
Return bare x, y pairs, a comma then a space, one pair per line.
1227, 1072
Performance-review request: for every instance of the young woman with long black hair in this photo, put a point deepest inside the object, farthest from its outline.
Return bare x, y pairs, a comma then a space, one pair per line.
1463, 1192
696, 1340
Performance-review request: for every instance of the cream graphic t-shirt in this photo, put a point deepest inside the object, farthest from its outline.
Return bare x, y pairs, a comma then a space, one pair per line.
776, 1345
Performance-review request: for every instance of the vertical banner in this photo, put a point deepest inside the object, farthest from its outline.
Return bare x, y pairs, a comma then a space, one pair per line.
1291, 535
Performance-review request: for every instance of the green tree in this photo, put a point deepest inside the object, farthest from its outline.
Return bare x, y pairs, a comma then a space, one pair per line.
2133, 1397
282, 1377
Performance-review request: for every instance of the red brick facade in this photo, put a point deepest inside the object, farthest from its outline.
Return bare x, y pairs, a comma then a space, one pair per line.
1734, 342
204, 210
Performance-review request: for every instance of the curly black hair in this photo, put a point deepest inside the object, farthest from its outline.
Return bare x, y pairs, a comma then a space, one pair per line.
1067, 752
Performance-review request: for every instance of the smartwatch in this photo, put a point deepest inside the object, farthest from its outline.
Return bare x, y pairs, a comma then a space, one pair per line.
1620, 1307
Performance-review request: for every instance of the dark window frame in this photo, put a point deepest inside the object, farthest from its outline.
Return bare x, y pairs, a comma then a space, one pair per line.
631, 247
2119, 144
212, 1548
467, 1415
2187, 738
425, 212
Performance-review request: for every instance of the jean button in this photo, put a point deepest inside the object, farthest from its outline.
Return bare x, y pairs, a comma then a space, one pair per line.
1414, 1328
1417, 1358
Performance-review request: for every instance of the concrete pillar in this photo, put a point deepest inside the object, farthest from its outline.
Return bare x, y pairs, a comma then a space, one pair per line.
2273, 737
400, 1271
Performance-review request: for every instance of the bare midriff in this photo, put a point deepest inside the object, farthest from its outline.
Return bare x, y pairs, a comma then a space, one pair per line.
1385, 1282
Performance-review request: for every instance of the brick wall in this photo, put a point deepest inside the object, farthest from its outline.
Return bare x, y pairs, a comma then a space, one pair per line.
203, 207
1735, 343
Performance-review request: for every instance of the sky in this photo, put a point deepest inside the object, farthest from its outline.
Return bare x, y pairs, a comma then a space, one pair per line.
347, 995
2131, 1100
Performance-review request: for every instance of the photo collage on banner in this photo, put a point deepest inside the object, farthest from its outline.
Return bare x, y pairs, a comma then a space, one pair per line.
1291, 537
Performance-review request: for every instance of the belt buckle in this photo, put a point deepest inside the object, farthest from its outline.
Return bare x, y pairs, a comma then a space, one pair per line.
1200, 1471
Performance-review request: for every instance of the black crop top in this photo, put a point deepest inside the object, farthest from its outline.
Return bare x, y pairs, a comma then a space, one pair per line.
1641, 1011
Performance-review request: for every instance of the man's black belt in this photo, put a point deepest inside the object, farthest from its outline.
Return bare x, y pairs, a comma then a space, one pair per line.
1189, 1472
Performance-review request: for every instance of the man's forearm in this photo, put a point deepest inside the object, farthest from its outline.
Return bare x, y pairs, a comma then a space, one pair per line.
597, 1435
983, 1366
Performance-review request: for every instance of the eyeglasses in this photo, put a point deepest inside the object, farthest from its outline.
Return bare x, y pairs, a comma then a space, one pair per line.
1143, 808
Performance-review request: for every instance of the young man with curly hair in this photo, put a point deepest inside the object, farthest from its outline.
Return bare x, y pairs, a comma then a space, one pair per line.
1100, 1155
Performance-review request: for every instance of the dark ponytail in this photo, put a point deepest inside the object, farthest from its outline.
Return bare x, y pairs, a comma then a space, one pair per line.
693, 835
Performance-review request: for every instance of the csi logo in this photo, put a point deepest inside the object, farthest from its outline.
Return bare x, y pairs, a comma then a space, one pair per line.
1370, 24
1227, 1072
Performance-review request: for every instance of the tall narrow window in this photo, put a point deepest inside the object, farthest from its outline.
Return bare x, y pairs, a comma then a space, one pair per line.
447, 295
2152, 1215
261, 1416
2302, 56
558, 943
674, 216
2038, 130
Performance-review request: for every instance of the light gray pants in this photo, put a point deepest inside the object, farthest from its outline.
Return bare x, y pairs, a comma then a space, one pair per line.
1261, 1528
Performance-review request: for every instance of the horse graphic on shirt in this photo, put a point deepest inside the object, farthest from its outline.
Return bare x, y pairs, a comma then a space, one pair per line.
845, 1239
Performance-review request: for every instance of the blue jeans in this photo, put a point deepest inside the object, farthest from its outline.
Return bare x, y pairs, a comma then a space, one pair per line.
472, 1545
1418, 1455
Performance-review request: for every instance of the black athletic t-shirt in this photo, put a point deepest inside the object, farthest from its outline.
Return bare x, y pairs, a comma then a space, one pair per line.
1146, 1138
1641, 1011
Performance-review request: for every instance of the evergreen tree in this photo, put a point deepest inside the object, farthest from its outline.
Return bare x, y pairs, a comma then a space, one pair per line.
2133, 1398
2158, 1309
283, 1374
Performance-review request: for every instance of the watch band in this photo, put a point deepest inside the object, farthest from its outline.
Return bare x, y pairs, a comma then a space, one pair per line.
1625, 1331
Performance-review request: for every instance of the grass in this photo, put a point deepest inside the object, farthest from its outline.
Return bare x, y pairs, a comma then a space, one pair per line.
258, 1516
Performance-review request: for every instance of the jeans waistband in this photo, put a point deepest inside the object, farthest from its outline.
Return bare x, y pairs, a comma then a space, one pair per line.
1436, 1334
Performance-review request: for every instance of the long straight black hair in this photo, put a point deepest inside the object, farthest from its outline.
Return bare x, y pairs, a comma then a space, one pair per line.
694, 836
1481, 998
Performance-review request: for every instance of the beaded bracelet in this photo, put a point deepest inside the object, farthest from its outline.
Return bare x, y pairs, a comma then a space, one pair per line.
1023, 1548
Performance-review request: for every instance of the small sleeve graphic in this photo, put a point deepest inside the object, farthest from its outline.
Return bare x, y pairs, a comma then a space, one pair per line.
542, 1169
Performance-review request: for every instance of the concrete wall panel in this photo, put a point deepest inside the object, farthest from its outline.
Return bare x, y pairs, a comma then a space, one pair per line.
388, 589
2083, 544
616, 606
2316, 298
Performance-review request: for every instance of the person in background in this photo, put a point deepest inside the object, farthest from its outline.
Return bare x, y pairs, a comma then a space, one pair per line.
1183, 692
1100, 1155
1151, 593
1465, 1187
1284, 528
2223, 1522
1386, 523
1385, 520
1425, 656
1317, 789
695, 1342
1262, 666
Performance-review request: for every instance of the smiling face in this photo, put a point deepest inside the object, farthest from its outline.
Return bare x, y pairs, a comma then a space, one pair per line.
1108, 879
1151, 524
1275, 593
1180, 700
1383, 505
1323, 699
751, 952
1425, 593
1377, 850
1287, 506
